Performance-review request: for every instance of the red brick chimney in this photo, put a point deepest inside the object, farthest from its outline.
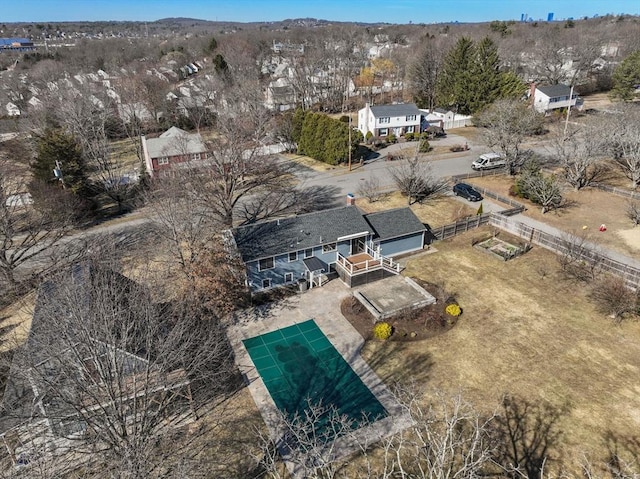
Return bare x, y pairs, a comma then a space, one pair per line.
351, 200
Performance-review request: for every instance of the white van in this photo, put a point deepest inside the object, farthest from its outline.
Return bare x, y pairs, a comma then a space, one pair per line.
489, 161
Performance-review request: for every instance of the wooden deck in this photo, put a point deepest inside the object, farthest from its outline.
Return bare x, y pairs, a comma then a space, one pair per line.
362, 261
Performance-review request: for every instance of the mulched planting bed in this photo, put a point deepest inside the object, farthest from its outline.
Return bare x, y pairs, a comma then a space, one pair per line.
410, 325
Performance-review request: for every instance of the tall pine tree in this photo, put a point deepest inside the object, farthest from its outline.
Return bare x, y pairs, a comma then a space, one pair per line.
54, 147
471, 77
626, 77
453, 84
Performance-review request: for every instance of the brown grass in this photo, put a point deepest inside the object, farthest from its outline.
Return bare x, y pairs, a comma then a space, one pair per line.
309, 162
527, 331
15, 322
436, 212
588, 207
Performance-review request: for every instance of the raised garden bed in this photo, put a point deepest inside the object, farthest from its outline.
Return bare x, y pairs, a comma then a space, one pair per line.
500, 248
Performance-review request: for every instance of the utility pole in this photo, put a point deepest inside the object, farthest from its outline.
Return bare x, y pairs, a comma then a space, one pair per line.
566, 123
349, 145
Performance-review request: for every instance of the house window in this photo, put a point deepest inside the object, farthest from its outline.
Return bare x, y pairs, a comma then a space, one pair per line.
163, 161
328, 248
385, 119
266, 283
288, 277
410, 129
195, 156
266, 263
383, 132
308, 253
293, 256
411, 118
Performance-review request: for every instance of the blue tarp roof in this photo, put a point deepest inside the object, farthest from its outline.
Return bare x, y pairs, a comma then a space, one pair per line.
9, 41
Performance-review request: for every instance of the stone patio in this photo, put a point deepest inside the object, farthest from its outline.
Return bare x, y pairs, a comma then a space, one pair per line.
322, 305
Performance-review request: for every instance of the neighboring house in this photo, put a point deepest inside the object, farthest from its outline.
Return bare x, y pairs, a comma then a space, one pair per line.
35, 414
12, 109
445, 119
175, 147
384, 120
280, 95
16, 45
554, 97
356, 246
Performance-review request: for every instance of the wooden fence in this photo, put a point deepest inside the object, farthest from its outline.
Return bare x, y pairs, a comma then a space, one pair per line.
564, 245
618, 191
477, 174
459, 227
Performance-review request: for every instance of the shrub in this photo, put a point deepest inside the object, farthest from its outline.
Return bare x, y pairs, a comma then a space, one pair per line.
424, 146
633, 212
382, 331
613, 297
453, 310
391, 138
408, 136
368, 136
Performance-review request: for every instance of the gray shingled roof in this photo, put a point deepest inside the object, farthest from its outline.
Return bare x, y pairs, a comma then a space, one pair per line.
553, 91
394, 223
402, 109
271, 238
175, 142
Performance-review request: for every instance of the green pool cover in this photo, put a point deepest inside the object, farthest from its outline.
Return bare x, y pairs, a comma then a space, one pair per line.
300, 366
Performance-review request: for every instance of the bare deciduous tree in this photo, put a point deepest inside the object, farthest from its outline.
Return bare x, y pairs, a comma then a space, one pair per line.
633, 212
423, 74
507, 123
580, 154
29, 232
579, 258
446, 439
613, 297
416, 180
624, 142
111, 373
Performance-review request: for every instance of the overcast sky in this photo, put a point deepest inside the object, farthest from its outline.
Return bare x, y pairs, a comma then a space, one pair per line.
391, 11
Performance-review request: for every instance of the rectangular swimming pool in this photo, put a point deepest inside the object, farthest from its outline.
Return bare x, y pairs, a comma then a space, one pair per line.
299, 365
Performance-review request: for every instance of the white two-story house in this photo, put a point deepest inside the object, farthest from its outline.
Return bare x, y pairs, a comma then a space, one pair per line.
383, 120
554, 97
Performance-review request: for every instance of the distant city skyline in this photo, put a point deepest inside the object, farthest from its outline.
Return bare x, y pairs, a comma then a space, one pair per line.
369, 11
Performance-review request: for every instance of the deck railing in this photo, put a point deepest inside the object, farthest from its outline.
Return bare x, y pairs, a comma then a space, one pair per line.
376, 261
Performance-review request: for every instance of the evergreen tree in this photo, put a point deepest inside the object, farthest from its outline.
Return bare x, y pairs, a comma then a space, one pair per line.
211, 46
326, 139
453, 85
626, 77
57, 145
296, 124
485, 80
471, 77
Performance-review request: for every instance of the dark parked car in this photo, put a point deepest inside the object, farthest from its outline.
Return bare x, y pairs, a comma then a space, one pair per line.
466, 191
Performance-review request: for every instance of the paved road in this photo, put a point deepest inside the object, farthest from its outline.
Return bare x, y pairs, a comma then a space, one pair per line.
136, 227
444, 165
